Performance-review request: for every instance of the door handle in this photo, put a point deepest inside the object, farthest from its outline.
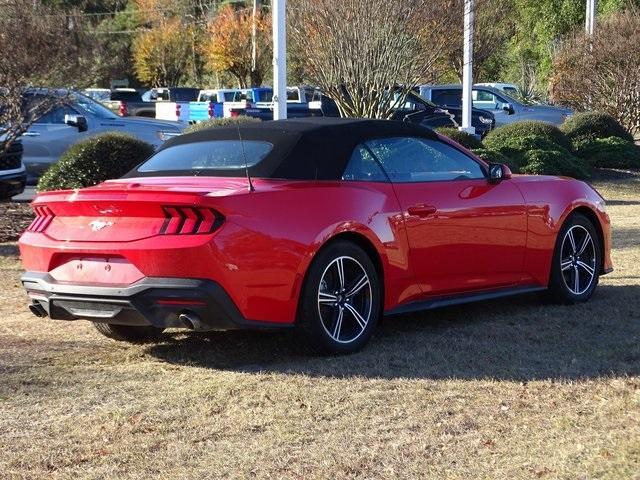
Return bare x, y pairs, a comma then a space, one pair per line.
422, 210
30, 134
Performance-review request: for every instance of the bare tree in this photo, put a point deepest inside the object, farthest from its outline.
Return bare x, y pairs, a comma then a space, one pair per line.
39, 48
358, 51
601, 72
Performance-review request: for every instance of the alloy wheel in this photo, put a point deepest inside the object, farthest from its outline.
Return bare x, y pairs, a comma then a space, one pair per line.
345, 299
578, 260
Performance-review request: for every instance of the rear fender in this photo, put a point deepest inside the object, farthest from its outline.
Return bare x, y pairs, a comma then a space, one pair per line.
393, 259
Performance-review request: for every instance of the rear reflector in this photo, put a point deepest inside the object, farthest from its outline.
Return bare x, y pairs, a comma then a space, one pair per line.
190, 221
44, 216
181, 301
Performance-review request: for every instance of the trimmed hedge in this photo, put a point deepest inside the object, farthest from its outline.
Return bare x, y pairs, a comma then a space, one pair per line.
463, 138
587, 126
553, 162
536, 154
611, 152
497, 138
220, 122
94, 160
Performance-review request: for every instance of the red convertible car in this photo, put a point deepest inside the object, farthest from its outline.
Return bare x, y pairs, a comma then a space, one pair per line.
322, 225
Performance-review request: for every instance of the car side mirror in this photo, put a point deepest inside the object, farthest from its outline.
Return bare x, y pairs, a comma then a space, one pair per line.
507, 107
78, 121
498, 172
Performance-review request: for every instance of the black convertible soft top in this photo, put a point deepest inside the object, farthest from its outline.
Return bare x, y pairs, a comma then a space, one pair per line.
303, 149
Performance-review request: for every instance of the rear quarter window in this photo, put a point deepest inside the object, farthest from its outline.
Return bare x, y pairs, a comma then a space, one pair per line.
447, 97
203, 156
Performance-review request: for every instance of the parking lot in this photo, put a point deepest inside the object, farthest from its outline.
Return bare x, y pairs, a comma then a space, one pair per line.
503, 389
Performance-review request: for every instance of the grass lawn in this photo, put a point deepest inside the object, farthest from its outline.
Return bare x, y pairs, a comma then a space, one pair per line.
506, 389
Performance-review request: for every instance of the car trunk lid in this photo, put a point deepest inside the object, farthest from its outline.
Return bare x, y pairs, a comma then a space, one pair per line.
129, 210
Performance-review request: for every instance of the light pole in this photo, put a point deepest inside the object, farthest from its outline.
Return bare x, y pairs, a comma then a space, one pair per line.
279, 59
467, 68
590, 20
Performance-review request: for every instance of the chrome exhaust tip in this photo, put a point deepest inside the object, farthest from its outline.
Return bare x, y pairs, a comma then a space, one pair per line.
38, 310
192, 321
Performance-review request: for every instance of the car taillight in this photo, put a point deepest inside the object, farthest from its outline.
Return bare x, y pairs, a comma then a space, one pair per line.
122, 110
235, 113
178, 106
210, 110
190, 221
44, 216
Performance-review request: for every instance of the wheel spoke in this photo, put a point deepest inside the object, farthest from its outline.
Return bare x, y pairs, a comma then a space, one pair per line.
566, 265
338, 325
585, 244
572, 240
360, 284
590, 270
340, 268
327, 298
361, 321
576, 280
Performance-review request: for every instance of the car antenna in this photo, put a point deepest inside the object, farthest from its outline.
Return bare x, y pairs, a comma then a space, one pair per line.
244, 156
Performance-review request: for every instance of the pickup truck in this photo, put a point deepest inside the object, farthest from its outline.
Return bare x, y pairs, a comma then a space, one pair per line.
248, 98
75, 119
128, 102
214, 103
173, 103
210, 103
301, 102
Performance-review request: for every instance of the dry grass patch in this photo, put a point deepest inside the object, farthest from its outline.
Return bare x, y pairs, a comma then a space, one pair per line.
505, 389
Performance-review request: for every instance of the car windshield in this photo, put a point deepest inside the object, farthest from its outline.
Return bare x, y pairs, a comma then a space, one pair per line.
98, 95
91, 106
509, 98
428, 102
211, 155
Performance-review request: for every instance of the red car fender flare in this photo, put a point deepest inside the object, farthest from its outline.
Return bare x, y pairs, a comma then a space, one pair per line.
335, 231
576, 205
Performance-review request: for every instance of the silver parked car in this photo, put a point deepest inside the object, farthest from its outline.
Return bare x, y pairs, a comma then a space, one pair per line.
80, 117
505, 108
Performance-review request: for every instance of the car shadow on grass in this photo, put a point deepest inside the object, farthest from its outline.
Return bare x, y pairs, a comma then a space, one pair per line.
518, 339
626, 237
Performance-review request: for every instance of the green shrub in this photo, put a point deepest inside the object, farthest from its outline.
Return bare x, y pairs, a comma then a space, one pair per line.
493, 156
588, 126
501, 135
611, 152
463, 138
553, 162
94, 160
536, 154
220, 122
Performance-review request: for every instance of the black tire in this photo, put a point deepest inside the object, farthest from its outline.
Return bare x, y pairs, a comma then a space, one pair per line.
562, 286
127, 333
319, 316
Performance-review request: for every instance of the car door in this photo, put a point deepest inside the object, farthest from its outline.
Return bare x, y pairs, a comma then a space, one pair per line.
487, 100
465, 234
47, 139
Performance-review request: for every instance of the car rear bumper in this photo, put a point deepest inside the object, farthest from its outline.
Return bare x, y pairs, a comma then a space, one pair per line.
13, 184
160, 302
